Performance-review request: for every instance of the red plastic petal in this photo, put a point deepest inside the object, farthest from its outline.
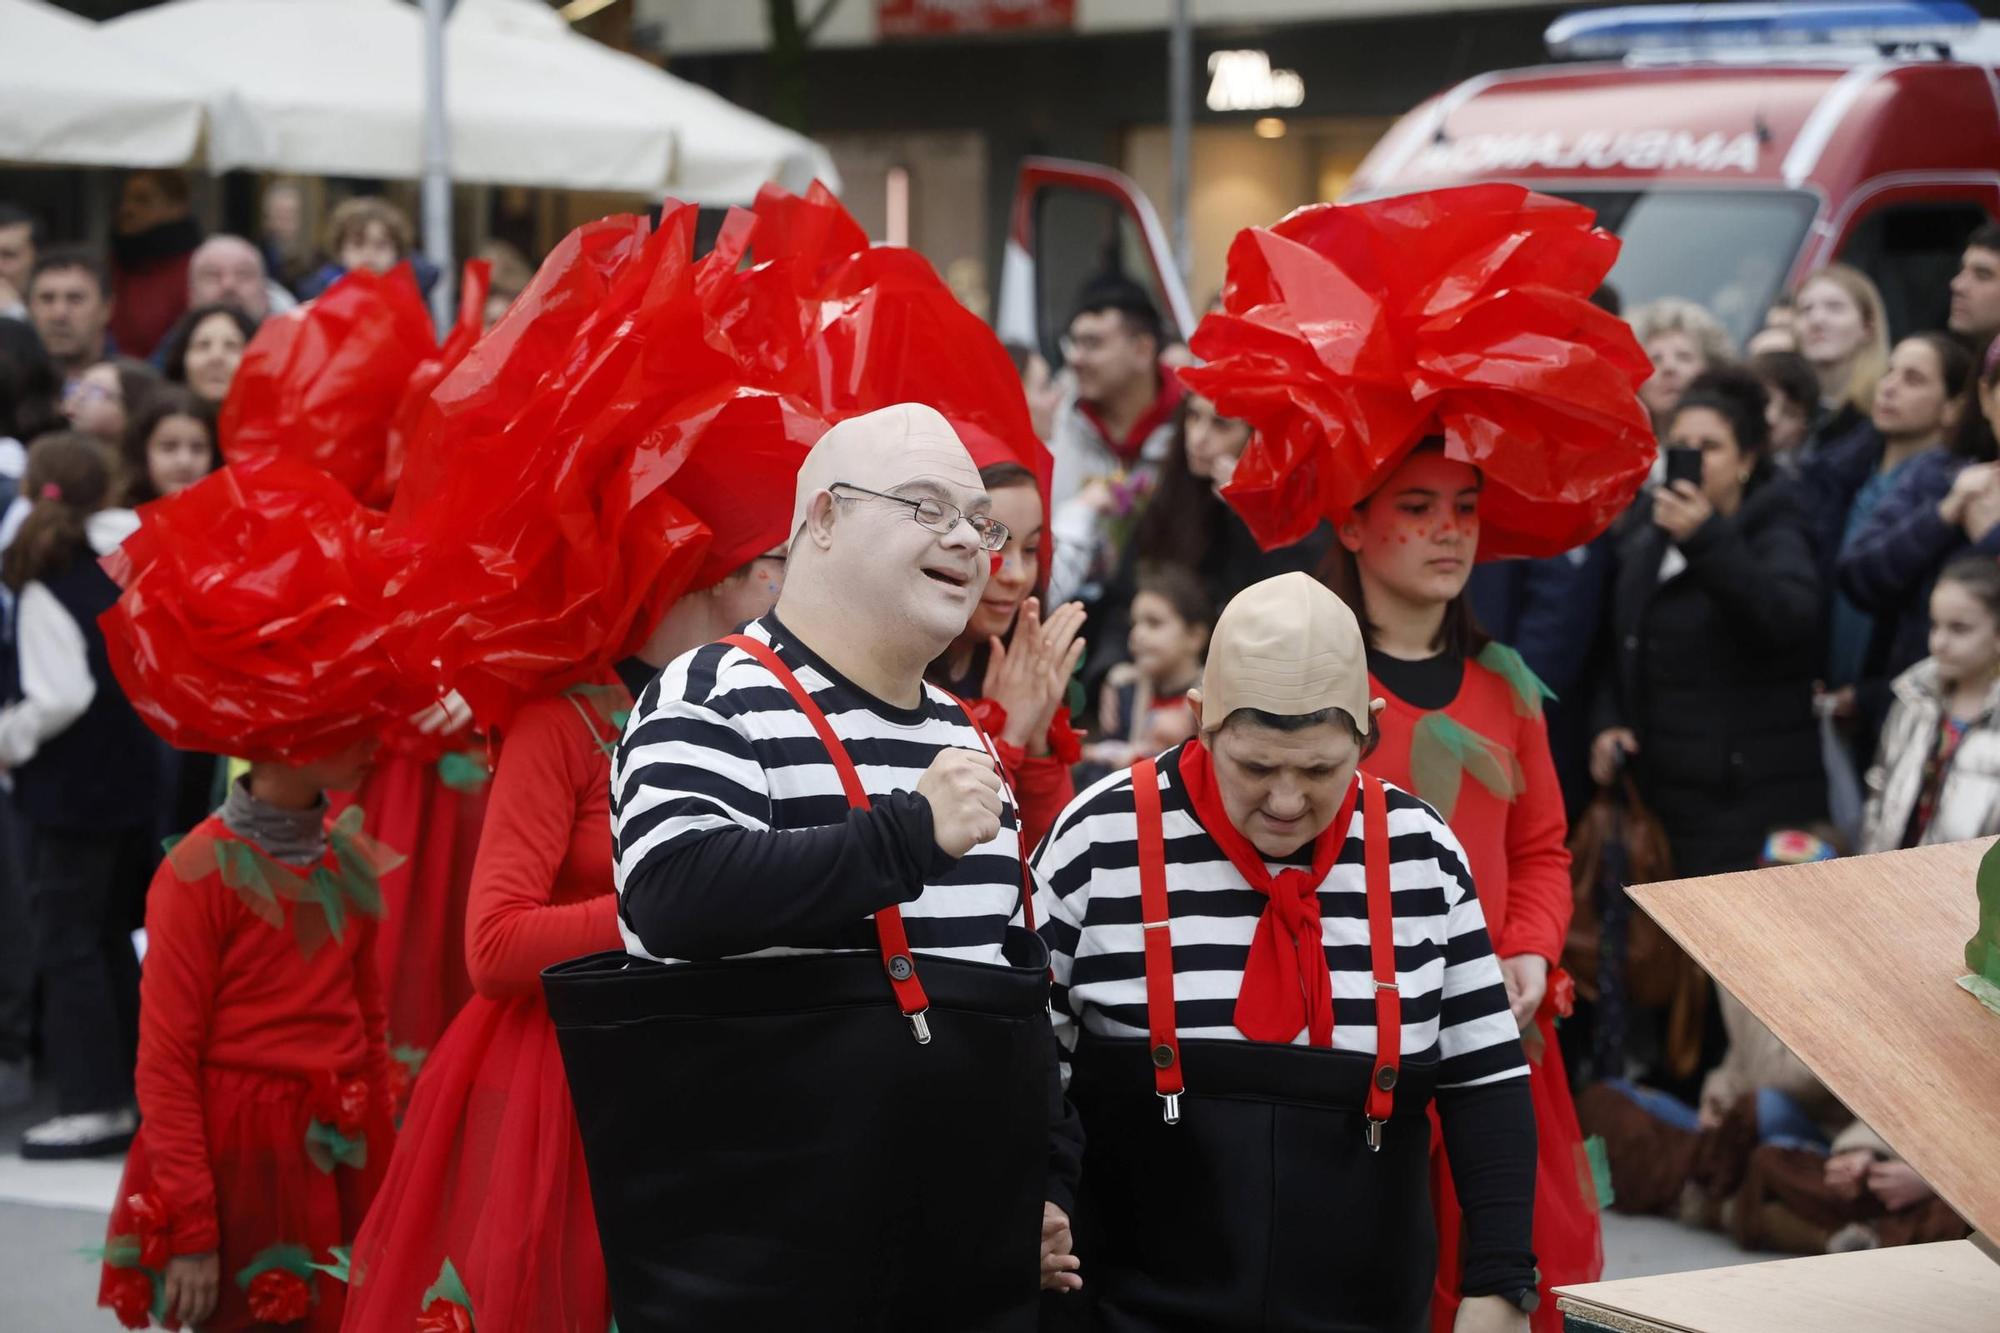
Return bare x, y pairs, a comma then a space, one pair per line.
252, 620
321, 384
1349, 333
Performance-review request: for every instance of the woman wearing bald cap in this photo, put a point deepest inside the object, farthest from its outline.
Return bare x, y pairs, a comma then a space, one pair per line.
1267, 968
1428, 373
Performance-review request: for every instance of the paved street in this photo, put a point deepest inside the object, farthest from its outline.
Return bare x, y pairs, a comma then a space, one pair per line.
50, 1212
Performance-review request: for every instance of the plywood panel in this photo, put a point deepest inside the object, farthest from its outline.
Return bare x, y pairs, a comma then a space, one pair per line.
1948, 1288
1854, 964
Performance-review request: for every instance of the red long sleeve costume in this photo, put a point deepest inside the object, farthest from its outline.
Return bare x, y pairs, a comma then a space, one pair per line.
241, 1038
489, 1173
1520, 867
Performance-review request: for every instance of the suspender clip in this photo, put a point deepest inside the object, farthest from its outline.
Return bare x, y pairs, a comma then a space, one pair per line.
1374, 1134
1170, 1109
920, 1027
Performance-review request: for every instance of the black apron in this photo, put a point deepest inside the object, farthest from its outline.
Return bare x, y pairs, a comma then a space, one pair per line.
769, 1148
1265, 1187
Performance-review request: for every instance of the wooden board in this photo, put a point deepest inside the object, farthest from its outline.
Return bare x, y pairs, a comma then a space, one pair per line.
1947, 1288
1854, 964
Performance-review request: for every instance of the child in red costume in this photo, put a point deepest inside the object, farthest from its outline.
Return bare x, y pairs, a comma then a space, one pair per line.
1428, 373
263, 1073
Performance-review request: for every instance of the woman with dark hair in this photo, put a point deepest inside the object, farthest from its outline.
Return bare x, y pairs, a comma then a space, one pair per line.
30, 399
168, 445
1188, 523
80, 761
1943, 503
1715, 615
205, 348
1010, 667
102, 399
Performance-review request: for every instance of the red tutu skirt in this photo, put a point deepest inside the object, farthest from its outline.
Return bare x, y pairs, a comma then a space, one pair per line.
420, 942
1569, 1242
488, 1174
275, 1210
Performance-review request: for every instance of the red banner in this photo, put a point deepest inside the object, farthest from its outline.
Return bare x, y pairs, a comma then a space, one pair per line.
931, 18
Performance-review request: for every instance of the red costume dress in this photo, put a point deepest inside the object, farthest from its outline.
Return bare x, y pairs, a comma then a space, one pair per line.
1351, 335
489, 1172
1483, 761
262, 1077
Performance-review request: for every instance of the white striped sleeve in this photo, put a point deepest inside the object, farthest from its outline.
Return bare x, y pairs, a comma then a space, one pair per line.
1478, 1041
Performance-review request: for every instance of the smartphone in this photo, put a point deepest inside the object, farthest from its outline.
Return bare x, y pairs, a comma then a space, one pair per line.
1683, 464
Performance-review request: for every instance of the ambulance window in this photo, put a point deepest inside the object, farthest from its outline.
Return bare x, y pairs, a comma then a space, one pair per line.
1727, 250
1912, 252
1083, 239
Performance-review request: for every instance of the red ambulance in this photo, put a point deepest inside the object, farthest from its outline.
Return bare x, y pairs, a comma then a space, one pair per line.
1734, 148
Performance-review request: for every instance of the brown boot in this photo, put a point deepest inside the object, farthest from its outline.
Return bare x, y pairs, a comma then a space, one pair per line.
1784, 1203
1649, 1158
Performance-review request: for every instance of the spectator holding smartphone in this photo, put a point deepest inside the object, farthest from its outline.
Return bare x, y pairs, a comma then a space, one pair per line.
1715, 615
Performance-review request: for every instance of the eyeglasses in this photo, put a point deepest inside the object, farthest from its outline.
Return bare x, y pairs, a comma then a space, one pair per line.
936, 515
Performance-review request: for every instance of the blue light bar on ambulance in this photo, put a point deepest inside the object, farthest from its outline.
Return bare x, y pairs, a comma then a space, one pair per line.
1611, 34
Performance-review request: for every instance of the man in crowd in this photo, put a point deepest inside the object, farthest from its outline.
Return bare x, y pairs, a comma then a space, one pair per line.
228, 270
1975, 292
69, 303
800, 794
20, 235
151, 244
1111, 428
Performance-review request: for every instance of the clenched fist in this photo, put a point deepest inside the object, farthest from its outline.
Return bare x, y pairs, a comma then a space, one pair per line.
964, 794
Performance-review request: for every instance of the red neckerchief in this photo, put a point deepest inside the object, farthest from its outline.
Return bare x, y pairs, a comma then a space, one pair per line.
1165, 403
1286, 986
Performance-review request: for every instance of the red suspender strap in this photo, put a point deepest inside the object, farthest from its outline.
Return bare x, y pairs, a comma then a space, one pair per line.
1020, 829
895, 944
1382, 952
1159, 935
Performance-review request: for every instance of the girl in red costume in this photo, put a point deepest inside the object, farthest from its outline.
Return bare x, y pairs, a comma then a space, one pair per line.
1010, 667
1428, 373
263, 1072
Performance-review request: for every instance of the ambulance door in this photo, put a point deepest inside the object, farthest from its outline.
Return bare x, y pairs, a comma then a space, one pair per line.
1908, 237
1074, 224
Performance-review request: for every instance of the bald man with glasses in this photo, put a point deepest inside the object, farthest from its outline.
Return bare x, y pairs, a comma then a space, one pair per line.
822, 1092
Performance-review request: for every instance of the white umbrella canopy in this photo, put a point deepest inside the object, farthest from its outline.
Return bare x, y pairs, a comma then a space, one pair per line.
335, 87
71, 94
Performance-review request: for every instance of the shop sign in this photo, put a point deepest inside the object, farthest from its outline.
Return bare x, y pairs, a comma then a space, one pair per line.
932, 18
1245, 81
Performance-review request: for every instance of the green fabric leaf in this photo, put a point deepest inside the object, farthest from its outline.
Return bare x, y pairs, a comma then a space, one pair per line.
293, 1259
159, 1299
448, 1287
464, 770
1982, 951
328, 1148
1597, 1165
118, 1252
323, 892
1983, 990
1530, 691
342, 1267
257, 879
1443, 750
411, 1058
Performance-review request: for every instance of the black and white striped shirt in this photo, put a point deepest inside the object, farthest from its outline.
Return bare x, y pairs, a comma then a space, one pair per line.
717, 757
1454, 1005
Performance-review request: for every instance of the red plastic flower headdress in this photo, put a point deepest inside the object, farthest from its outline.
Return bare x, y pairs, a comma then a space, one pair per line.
321, 384
1350, 333
252, 622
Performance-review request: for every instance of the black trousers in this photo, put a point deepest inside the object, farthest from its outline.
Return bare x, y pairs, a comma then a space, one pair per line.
17, 942
87, 893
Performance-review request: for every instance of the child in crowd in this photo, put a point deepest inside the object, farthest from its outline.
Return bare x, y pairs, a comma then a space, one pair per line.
86, 786
1143, 709
1937, 774
169, 444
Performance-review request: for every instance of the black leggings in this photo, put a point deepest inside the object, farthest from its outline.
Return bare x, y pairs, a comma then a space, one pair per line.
87, 894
